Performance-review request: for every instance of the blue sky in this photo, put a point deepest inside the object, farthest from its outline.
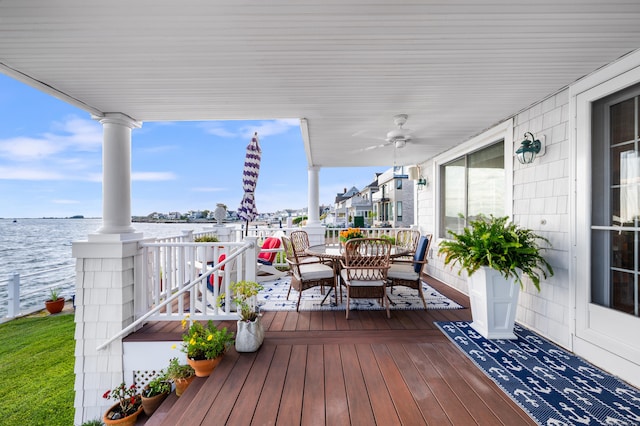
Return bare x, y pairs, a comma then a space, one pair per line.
51, 162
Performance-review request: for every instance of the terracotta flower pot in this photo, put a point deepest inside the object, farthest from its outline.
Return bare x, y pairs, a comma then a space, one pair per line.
183, 384
204, 367
151, 403
54, 306
130, 420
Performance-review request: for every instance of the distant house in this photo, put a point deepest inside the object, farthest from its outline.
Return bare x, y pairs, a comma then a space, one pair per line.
393, 201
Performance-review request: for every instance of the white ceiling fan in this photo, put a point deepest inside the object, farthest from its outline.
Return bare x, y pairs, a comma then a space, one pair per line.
397, 138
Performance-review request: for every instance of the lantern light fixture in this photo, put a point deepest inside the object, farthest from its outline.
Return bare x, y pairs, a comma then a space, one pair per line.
529, 148
422, 182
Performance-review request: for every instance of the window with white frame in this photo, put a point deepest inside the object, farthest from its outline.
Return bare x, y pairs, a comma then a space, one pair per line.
471, 185
399, 211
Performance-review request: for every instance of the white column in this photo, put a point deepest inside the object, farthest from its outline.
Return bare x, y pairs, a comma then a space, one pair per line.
314, 228
313, 215
116, 179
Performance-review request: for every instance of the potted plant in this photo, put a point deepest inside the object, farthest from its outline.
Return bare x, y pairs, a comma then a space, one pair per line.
55, 303
205, 253
349, 234
496, 253
181, 374
155, 392
250, 332
204, 346
126, 410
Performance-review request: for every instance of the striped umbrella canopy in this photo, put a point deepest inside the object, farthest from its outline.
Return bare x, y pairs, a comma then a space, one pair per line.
248, 210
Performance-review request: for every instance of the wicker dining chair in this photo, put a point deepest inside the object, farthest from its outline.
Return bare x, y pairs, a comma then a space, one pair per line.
300, 241
408, 272
408, 239
364, 270
306, 275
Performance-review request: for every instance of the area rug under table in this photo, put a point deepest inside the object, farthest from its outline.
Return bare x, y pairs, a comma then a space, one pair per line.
554, 386
274, 298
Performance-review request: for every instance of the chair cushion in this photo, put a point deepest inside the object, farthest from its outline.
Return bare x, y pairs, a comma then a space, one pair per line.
315, 271
221, 258
267, 258
420, 253
402, 272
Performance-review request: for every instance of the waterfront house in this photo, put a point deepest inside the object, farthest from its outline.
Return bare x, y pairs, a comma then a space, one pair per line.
473, 78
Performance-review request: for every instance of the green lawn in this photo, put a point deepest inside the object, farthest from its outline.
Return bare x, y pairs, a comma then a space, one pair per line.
36, 371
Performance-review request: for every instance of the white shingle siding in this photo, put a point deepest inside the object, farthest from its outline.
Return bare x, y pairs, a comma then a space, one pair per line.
540, 202
104, 293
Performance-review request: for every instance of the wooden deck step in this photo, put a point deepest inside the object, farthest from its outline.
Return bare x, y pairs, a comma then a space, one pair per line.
318, 368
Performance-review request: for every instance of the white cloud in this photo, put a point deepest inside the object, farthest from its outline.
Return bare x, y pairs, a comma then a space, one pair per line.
75, 134
152, 176
264, 128
28, 149
65, 201
270, 128
216, 129
26, 173
205, 189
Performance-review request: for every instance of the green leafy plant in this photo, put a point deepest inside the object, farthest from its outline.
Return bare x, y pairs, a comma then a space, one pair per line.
499, 244
389, 238
95, 422
53, 295
158, 385
128, 400
241, 293
176, 371
200, 342
206, 239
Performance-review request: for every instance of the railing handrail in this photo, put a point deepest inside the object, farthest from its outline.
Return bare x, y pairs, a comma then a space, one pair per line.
33, 274
174, 296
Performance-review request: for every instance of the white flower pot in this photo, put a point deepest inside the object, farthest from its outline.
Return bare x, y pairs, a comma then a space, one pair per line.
494, 301
249, 335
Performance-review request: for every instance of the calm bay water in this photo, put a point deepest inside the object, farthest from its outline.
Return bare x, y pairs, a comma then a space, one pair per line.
30, 246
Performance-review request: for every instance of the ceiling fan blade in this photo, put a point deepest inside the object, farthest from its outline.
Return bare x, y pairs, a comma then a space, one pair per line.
370, 148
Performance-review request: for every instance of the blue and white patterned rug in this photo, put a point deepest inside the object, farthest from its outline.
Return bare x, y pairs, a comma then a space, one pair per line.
274, 298
554, 386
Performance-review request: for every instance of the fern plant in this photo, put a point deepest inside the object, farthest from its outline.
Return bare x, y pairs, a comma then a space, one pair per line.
499, 244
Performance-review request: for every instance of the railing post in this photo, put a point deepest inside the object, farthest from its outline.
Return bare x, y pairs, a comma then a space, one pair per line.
251, 258
13, 303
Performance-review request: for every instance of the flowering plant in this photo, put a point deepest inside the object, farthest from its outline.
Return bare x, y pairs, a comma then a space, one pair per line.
200, 342
243, 295
128, 399
350, 233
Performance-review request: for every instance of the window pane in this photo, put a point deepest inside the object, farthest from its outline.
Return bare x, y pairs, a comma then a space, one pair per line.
622, 250
622, 121
453, 183
486, 182
399, 210
623, 291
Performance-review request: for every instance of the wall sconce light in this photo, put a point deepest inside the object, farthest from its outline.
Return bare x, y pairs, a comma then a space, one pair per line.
422, 182
529, 148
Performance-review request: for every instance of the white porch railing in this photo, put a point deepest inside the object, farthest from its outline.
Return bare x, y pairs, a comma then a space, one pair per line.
177, 276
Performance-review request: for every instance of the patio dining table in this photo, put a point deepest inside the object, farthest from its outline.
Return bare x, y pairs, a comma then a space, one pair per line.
335, 253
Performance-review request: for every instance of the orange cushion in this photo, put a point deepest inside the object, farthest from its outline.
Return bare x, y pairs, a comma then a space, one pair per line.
269, 257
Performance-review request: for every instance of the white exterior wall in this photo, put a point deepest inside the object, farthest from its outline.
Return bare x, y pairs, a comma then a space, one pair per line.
104, 306
540, 201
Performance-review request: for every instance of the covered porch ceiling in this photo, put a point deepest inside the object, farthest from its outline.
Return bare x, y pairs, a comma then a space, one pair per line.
455, 67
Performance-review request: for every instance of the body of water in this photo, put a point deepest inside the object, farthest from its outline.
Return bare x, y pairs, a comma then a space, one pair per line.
29, 246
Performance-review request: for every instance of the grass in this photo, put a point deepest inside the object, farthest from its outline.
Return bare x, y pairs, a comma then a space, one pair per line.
36, 371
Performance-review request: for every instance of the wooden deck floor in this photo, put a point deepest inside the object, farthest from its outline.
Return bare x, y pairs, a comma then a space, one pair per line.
316, 368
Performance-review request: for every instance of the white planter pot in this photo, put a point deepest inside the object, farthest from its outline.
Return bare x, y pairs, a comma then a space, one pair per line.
494, 301
249, 335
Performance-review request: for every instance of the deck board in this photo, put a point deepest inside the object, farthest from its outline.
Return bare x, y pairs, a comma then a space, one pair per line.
317, 368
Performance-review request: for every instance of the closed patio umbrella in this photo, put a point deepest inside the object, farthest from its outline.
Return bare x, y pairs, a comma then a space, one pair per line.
248, 210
